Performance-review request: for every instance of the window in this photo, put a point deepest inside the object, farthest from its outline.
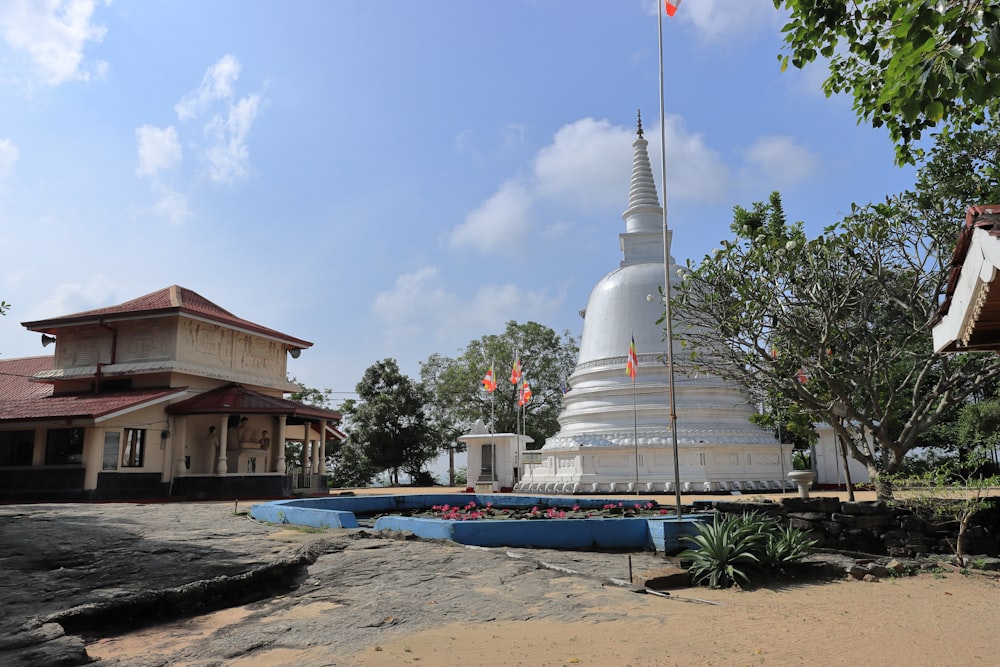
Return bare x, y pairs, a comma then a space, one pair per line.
135, 447
63, 446
16, 448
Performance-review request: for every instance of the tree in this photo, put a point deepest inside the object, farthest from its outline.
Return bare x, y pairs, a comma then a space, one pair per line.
909, 64
955, 491
836, 324
456, 390
388, 424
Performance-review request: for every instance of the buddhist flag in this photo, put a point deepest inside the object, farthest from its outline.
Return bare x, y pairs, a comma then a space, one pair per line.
489, 384
525, 393
515, 372
672, 6
633, 361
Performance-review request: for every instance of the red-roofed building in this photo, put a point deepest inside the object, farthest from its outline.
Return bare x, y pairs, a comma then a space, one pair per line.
167, 395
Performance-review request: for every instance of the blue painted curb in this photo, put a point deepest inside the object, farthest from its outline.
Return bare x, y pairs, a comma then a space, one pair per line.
657, 533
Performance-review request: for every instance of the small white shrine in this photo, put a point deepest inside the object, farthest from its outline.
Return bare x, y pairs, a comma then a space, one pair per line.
614, 434
493, 459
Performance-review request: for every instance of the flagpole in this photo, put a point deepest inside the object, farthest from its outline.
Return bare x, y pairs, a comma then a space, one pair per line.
666, 272
635, 436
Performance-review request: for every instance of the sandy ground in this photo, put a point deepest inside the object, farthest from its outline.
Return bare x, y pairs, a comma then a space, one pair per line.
924, 620
935, 618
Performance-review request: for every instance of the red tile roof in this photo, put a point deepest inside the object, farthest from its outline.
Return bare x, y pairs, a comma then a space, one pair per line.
28, 401
14, 375
237, 399
173, 299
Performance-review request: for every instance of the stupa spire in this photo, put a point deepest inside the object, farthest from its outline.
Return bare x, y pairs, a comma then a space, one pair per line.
643, 213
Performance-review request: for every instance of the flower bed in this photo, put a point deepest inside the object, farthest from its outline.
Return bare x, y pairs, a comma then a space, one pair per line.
471, 511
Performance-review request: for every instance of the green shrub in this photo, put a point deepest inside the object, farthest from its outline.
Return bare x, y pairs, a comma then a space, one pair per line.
728, 550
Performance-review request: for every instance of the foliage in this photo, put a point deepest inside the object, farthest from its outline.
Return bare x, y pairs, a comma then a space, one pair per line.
952, 491
457, 395
320, 398
836, 324
462, 476
909, 64
351, 468
387, 424
785, 546
728, 550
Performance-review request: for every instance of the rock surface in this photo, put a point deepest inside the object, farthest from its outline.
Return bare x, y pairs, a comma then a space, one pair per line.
76, 573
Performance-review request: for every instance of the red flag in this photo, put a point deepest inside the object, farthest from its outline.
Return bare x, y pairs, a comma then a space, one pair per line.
489, 384
672, 6
633, 361
515, 372
525, 393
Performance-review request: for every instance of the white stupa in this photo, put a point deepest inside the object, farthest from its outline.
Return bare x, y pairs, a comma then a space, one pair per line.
611, 440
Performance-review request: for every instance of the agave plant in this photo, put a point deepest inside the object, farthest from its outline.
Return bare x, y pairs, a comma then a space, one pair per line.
786, 546
726, 550
723, 551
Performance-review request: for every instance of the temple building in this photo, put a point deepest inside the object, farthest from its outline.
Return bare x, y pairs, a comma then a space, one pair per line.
615, 433
166, 395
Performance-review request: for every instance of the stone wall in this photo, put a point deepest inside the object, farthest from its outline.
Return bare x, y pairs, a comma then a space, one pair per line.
876, 527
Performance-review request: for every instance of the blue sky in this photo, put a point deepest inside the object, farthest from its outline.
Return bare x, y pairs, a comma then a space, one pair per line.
389, 179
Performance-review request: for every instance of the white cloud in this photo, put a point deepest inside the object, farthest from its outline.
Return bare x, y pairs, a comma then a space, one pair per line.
586, 165
159, 149
500, 223
69, 298
8, 156
217, 84
778, 162
172, 207
228, 157
53, 34
715, 20
695, 172
420, 305
229, 120
587, 168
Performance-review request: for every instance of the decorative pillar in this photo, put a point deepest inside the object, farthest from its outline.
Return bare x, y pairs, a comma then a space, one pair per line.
304, 457
322, 448
221, 464
317, 452
93, 456
179, 440
279, 443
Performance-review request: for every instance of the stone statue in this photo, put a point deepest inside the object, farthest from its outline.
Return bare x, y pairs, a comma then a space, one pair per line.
265, 441
244, 435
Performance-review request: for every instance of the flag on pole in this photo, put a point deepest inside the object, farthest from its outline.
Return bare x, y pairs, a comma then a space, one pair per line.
489, 384
672, 6
633, 361
525, 393
515, 372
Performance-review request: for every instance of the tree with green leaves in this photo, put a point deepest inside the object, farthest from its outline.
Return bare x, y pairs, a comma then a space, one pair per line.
388, 424
836, 324
456, 390
909, 64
